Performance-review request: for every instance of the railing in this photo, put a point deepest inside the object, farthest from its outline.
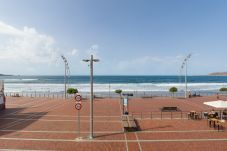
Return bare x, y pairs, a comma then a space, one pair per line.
167, 114
39, 95
136, 94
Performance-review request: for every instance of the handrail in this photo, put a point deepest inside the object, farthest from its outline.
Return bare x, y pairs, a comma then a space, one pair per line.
166, 114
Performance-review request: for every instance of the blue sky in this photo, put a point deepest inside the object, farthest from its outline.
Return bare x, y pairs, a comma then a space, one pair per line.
139, 37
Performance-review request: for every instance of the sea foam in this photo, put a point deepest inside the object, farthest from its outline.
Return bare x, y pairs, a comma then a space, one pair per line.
39, 87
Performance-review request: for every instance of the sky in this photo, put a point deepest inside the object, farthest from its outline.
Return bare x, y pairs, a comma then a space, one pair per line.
130, 37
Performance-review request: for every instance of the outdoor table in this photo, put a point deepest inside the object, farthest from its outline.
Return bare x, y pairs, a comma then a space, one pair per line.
212, 122
219, 123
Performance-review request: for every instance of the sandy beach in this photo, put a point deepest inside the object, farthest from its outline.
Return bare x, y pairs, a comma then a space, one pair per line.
51, 124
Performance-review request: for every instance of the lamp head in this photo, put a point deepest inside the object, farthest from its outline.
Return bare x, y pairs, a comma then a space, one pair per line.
96, 60
86, 60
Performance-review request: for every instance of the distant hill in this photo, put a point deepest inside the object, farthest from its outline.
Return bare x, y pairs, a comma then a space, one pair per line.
218, 74
4, 75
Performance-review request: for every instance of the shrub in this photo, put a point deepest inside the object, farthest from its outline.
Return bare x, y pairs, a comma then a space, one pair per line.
223, 89
72, 91
119, 91
173, 90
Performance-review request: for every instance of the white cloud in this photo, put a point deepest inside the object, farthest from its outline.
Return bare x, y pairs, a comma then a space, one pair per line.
74, 52
26, 45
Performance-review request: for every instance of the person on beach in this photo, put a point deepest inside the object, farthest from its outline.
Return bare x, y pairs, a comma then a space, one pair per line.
217, 96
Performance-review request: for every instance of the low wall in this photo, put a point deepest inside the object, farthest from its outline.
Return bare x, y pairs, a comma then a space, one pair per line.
2, 101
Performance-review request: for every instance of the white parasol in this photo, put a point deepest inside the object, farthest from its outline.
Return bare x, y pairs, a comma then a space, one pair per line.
217, 104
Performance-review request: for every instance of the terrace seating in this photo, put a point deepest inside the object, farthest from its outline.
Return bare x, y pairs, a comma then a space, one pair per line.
205, 114
220, 124
213, 115
224, 114
193, 115
169, 109
129, 123
216, 122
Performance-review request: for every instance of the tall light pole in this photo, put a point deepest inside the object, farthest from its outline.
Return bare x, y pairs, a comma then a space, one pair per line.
184, 64
91, 60
66, 72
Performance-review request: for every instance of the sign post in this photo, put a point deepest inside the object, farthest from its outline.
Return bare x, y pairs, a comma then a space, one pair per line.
78, 106
78, 126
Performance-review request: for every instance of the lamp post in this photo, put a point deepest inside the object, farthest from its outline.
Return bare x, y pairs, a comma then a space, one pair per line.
184, 64
91, 60
65, 76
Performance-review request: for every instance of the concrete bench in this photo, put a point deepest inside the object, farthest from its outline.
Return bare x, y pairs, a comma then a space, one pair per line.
129, 123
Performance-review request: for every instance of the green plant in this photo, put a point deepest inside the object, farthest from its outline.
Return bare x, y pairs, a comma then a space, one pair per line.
72, 91
173, 90
223, 89
119, 91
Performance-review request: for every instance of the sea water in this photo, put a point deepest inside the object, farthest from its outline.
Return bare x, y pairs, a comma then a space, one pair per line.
111, 83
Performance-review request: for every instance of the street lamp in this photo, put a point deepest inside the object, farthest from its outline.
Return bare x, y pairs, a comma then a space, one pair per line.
66, 72
184, 64
91, 60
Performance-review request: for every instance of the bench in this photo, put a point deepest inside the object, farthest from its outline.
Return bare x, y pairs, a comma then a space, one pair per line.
129, 123
169, 108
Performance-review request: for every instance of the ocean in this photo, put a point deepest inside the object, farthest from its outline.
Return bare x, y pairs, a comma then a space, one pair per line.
111, 83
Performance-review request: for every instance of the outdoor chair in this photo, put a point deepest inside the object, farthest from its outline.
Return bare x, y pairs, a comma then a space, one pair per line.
193, 115
224, 114
205, 114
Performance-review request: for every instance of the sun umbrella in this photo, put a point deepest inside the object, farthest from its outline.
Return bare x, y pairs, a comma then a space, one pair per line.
217, 104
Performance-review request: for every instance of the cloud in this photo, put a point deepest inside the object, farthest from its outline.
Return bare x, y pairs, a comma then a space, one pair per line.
74, 52
26, 45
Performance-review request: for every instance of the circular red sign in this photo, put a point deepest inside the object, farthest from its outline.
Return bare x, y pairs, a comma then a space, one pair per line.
78, 97
78, 106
